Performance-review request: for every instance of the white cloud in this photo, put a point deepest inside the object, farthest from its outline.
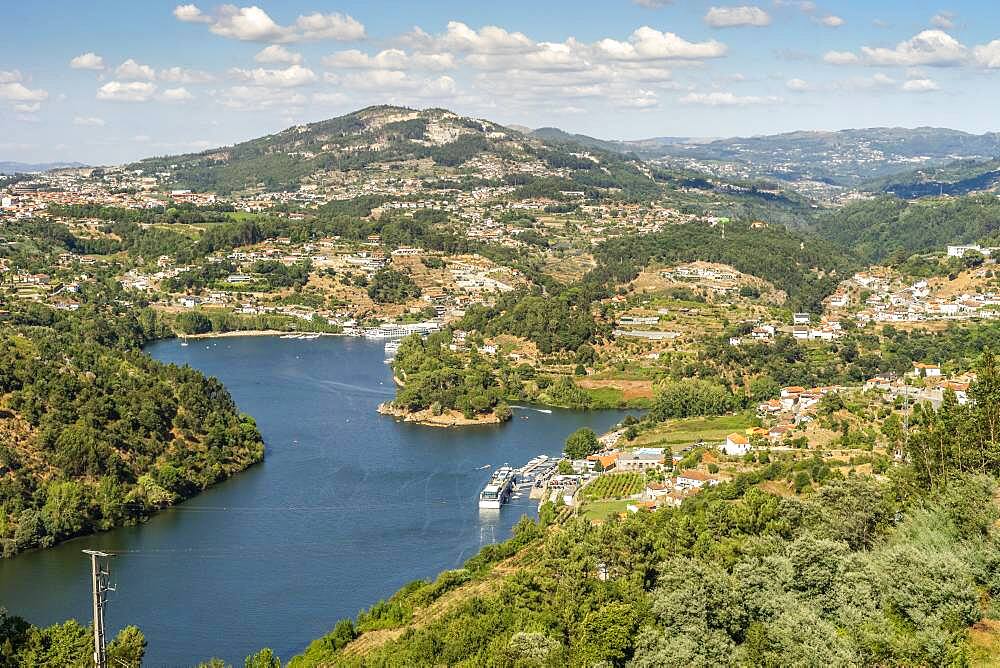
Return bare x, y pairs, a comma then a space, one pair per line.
291, 76
653, 4
336, 26
832, 21
15, 91
87, 61
89, 121
253, 24
943, 20
190, 14
988, 55
354, 59
650, 44
840, 58
798, 85
181, 75
252, 98
9, 76
133, 71
640, 99
180, 94
929, 47
278, 54
135, 91
732, 17
718, 99
28, 107
920, 86
458, 37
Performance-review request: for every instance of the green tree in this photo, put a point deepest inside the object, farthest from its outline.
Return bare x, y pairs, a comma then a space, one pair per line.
581, 443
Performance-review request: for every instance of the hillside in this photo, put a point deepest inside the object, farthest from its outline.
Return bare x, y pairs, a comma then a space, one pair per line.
94, 434
961, 177
805, 267
877, 229
422, 143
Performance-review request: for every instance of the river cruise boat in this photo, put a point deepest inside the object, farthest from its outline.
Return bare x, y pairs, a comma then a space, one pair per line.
497, 492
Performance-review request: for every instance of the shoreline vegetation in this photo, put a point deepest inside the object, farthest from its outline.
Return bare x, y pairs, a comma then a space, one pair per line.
445, 419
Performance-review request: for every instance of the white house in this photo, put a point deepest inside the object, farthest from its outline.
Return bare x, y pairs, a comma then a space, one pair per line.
736, 445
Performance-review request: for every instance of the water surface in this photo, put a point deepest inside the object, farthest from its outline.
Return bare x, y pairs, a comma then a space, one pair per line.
347, 507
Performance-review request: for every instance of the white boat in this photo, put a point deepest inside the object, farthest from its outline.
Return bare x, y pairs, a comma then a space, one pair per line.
498, 491
289, 336
184, 342
309, 337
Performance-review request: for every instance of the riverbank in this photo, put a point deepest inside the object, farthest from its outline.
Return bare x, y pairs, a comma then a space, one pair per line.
448, 418
252, 332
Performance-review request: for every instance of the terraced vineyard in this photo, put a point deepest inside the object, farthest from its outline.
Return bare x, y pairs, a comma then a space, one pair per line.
615, 486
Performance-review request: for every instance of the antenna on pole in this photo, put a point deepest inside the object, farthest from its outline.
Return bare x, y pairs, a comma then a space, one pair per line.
100, 573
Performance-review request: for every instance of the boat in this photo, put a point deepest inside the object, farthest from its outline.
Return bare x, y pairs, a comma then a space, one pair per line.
184, 342
289, 336
309, 337
498, 490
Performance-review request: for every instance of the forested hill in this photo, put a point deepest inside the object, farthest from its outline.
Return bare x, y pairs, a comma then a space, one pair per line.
878, 229
955, 179
95, 434
806, 267
386, 135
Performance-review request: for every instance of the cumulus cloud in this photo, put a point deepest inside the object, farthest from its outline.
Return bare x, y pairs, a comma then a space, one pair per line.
278, 54
928, 47
130, 70
653, 4
87, 61
650, 44
15, 91
841, 58
181, 75
179, 94
920, 86
8, 76
190, 14
798, 85
389, 59
832, 21
88, 121
252, 98
719, 99
135, 91
988, 55
459, 37
943, 20
253, 24
732, 17
290, 77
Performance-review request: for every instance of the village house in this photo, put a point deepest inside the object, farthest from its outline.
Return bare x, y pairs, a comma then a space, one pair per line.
736, 445
640, 460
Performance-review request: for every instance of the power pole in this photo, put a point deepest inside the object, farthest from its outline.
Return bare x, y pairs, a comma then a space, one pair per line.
99, 575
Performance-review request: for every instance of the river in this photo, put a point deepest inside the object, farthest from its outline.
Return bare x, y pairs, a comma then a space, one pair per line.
347, 507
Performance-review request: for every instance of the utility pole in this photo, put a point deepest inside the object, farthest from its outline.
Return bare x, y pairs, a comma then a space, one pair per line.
99, 575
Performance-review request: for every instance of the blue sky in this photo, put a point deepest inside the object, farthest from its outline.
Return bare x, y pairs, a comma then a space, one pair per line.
111, 81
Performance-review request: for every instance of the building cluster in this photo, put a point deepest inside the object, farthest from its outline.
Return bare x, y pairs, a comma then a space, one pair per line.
924, 383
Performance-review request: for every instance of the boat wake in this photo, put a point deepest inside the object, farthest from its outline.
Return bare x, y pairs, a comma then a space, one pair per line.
547, 411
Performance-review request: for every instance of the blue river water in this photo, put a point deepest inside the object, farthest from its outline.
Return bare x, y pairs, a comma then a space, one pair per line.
347, 507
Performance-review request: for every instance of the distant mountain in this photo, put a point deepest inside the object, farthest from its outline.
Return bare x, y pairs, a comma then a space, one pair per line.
25, 167
555, 135
957, 178
435, 140
844, 157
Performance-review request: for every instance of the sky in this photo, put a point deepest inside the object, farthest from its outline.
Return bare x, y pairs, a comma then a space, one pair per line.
108, 81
